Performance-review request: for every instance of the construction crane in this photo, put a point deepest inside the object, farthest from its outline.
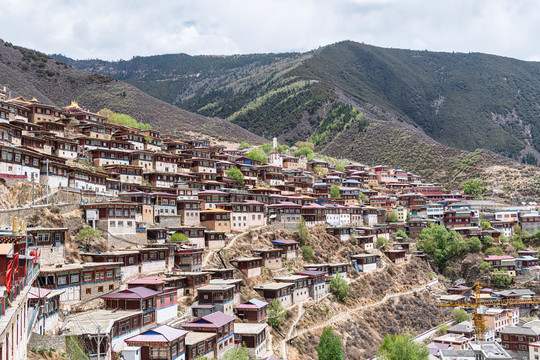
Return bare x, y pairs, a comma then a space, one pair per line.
476, 302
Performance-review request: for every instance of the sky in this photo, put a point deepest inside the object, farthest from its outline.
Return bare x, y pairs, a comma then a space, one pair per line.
121, 29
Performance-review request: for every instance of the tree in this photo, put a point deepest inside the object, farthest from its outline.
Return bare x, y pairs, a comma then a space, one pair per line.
459, 315
235, 174
400, 347
276, 313
340, 168
329, 347
473, 187
441, 245
500, 278
408, 216
123, 119
308, 144
518, 244
320, 171
488, 241
178, 237
339, 287
363, 196
307, 152
307, 252
485, 224
382, 242
334, 192
258, 155
302, 231
494, 250
243, 146
88, 235
485, 268
474, 244
392, 217
402, 234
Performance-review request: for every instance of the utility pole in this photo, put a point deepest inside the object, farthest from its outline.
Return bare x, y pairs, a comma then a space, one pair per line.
99, 342
33, 184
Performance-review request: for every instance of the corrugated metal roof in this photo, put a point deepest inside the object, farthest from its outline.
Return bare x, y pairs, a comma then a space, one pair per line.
160, 334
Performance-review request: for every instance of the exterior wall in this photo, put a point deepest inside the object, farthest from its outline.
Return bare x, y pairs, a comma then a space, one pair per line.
118, 342
49, 254
55, 181
368, 267
287, 300
71, 295
96, 289
129, 272
170, 220
158, 265
216, 244
317, 291
167, 313
252, 272
300, 295
191, 217
273, 264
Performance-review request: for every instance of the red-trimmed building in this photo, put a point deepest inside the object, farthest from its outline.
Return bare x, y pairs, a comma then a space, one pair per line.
163, 342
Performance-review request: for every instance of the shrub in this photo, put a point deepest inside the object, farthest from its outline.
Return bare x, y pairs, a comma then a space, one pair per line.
339, 287
307, 252
500, 278
485, 268
340, 168
518, 245
488, 241
392, 217
258, 155
485, 224
402, 234
334, 192
474, 244
302, 232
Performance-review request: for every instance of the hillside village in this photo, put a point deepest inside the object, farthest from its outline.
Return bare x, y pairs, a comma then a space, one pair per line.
132, 242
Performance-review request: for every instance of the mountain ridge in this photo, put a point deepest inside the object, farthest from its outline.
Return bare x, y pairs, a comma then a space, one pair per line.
467, 101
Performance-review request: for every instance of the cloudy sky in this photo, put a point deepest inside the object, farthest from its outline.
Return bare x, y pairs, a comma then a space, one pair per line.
121, 29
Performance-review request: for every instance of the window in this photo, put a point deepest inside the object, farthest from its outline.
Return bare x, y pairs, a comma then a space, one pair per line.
100, 289
111, 287
109, 274
88, 291
62, 280
162, 300
88, 277
171, 298
74, 278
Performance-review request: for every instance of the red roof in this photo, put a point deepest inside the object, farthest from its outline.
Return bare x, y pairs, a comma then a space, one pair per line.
133, 293
499, 257
38, 293
160, 334
285, 204
214, 320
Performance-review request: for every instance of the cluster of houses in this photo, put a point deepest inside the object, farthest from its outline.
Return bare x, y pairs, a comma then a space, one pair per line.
159, 186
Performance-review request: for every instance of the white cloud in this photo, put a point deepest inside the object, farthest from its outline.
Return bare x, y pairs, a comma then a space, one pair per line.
123, 28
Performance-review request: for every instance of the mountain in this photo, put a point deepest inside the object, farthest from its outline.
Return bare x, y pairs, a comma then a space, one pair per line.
31, 74
468, 101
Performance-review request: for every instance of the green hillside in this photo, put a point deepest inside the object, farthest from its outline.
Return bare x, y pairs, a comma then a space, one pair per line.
467, 101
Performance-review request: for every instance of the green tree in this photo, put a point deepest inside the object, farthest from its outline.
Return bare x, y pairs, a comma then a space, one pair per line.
302, 232
485, 268
235, 174
307, 252
276, 313
329, 347
494, 250
339, 287
382, 242
320, 171
178, 237
259, 155
473, 187
400, 347
485, 224
474, 244
441, 245
340, 168
88, 235
488, 241
363, 196
408, 216
244, 145
307, 152
500, 278
392, 217
402, 234
459, 315
308, 144
334, 192
518, 244
123, 119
